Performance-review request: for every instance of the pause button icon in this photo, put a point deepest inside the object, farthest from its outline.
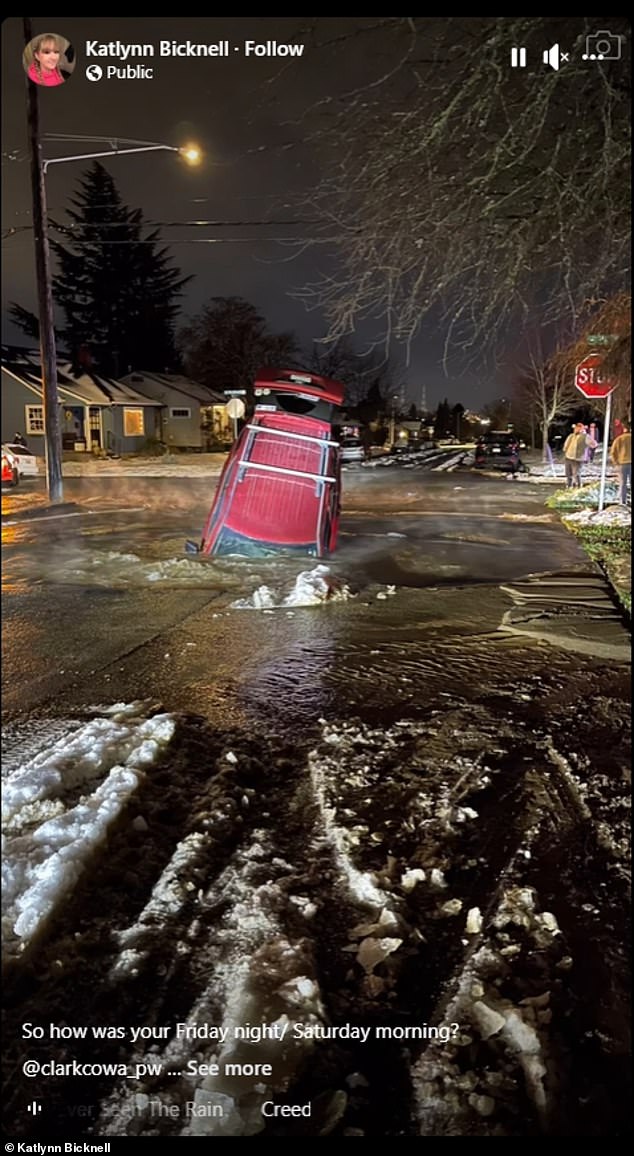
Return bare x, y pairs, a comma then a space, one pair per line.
518, 58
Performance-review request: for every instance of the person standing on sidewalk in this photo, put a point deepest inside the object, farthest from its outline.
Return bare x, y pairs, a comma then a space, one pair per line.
621, 457
575, 447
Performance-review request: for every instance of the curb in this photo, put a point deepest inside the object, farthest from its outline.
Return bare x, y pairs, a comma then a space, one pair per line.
602, 565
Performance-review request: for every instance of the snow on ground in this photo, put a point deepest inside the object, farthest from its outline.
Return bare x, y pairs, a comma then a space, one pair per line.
420, 457
363, 885
58, 806
610, 516
392, 797
382, 884
587, 495
259, 976
417, 458
353, 768
451, 464
457, 1084
312, 588
555, 471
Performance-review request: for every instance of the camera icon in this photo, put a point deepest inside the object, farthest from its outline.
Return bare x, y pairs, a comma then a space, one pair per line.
603, 46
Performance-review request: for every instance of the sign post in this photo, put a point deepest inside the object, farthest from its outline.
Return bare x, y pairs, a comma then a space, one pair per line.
604, 460
594, 385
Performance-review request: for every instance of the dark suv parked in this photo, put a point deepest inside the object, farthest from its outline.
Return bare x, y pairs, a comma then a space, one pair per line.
498, 449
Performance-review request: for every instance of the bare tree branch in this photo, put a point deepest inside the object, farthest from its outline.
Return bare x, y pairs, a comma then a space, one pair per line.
467, 190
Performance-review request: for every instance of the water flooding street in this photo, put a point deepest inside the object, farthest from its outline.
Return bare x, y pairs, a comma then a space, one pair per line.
378, 813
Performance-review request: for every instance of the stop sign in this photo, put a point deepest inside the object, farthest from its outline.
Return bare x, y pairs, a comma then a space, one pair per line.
235, 407
589, 379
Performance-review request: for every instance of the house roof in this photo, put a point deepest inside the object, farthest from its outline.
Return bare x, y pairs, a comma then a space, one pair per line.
178, 381
102, 390
83, 388
31, 381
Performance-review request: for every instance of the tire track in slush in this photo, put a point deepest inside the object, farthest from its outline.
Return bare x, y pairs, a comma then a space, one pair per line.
392, 877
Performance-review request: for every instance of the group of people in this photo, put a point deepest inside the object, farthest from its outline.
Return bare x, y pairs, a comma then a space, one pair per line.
579, 447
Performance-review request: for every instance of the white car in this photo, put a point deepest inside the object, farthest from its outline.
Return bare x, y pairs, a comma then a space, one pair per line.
24, 459
352, 451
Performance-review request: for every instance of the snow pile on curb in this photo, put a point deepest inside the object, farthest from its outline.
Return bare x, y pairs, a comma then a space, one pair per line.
611, 516
585, 496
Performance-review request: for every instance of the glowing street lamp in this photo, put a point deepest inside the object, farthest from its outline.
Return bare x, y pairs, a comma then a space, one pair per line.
190, 153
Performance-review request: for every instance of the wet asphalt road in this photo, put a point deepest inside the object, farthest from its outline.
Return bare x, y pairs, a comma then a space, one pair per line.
91, 607
449, 675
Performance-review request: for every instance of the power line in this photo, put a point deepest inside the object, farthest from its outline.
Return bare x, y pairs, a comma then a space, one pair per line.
101, 225
82, 241
213, 241
145, 223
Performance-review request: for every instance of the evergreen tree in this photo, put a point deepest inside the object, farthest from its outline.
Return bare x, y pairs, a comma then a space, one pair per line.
26, 321
373, 403
115, 287
442, 422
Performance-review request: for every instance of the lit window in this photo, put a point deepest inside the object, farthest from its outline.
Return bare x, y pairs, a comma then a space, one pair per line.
133, 426
180, 413
34, 419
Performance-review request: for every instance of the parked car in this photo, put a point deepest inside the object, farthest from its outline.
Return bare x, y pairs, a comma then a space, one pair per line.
352, 450
10, 474
498, 449
24, 459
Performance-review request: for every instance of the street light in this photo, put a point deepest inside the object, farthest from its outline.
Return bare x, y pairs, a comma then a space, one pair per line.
190, 153
39, 166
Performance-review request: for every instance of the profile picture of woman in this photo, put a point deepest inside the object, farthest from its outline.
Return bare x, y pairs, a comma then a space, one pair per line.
48, 60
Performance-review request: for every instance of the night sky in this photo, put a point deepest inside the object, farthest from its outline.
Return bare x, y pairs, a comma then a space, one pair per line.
248, 115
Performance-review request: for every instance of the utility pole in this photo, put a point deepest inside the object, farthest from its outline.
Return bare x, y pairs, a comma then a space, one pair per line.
52, 427
392, 434
423, 401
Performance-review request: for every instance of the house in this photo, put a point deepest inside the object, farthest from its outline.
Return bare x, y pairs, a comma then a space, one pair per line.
192, 416
409, 433
95, 411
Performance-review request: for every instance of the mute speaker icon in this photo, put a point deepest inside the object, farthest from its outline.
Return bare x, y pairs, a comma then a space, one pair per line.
554, 57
